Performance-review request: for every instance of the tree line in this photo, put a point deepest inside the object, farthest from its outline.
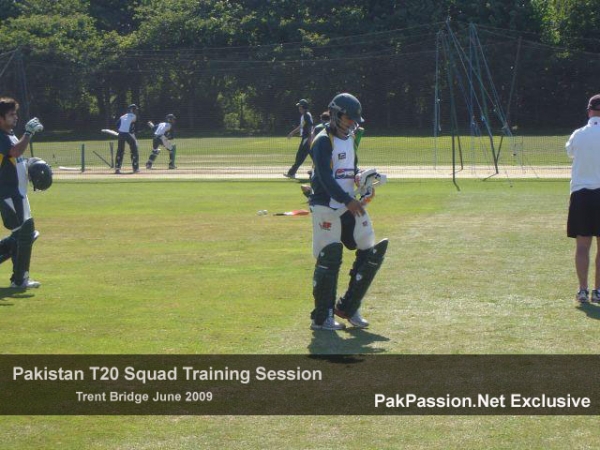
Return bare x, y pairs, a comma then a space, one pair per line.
240, 66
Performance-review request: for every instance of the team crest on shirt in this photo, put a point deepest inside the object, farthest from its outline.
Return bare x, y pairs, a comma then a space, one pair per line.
344, 174
341, 155
325, 226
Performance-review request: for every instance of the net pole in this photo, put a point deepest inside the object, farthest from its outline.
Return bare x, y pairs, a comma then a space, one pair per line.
436, 103
510, 95
453, 118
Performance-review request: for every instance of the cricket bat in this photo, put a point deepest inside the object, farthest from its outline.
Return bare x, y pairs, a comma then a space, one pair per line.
111, 132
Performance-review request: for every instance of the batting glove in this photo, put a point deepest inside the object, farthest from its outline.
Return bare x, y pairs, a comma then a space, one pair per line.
366, 198
33, 126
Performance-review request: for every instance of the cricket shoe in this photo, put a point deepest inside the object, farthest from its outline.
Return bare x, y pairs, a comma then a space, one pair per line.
148, 166
290, 176
596, 296
117, 171
26, 284
329, 324
172, 167
583, 296
356, 319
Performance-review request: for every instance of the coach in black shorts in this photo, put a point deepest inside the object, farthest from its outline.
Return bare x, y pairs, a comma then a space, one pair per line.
584, 209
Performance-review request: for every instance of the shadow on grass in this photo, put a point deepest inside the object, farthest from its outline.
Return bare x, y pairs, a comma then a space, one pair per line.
352, 341
12, 293
592, 311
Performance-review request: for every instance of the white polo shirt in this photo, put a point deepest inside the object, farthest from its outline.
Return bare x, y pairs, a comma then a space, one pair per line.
583, 147
127, 120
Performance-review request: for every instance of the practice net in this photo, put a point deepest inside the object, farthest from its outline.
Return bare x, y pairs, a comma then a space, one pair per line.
471, 102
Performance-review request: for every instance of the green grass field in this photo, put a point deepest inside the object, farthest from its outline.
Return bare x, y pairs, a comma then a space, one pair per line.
188, 267
275, 151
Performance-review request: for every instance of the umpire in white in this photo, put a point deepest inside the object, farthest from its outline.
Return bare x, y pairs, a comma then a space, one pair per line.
584, 209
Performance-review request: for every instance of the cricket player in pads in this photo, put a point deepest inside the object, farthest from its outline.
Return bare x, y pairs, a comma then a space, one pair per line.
14, 204
339, 220
163, 135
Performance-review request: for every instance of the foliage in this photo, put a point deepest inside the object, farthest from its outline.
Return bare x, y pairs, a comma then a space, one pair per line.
213, 60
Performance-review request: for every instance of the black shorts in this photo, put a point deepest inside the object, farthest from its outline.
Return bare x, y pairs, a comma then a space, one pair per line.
584, 213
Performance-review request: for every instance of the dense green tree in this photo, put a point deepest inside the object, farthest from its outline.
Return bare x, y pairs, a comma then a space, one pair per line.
241, 64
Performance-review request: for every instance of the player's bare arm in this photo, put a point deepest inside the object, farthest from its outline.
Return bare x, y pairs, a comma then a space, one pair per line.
31, 127
20, 147
9, 121
355, 207
293, 132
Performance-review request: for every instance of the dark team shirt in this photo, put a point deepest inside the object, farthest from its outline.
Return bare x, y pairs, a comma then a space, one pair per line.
331, 171
320, 127
13, 171
306, 124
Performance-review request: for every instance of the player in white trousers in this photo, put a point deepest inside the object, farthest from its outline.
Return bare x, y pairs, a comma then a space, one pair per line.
339, 220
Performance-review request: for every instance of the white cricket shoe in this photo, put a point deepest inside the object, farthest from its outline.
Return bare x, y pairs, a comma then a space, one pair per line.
329, 324
26, 284
358, 321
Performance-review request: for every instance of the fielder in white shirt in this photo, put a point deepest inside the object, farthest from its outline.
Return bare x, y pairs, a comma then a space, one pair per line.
583, 222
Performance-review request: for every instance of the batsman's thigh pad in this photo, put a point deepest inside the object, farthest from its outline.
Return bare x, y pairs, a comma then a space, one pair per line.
14, 211
327, 228
364, 235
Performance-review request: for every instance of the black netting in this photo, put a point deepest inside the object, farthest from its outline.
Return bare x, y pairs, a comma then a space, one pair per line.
234, 106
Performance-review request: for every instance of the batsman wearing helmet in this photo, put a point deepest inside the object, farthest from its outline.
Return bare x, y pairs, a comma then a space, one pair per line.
14, 204
339, 220
163, 135
126, 129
